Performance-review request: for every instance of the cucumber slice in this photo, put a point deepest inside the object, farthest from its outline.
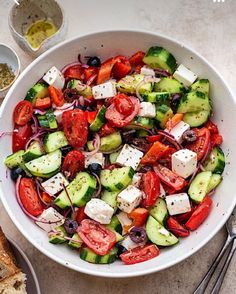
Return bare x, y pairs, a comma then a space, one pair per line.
129, 84
199, 186
80, 191
48, 120
34, 151
79, 86
39, 90
159, 211
164, 113
170, 85
45, 166
108, 143
142, 133
15, 159
214, 182
113, 156
157, 97
144, 121
216, 161
202, 85
89, 256
115, 224
116, 179
197, 118
76, 241
158, 235
110, 198
57, 238
99, 120
54, 141
194, 101
158, 57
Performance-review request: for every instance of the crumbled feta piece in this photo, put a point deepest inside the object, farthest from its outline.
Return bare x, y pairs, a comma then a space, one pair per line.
52, 217
129, 156
147, 71
178, 203
124, 220
136, 180
162, 192
129, 244
99, 211
58, 112
179, 130
55, 184
147, 109
96, 158
129, 198
184, 162
54, 78
105, 90
184, 75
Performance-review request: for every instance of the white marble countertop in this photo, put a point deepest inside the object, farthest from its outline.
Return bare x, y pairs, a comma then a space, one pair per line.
206, 26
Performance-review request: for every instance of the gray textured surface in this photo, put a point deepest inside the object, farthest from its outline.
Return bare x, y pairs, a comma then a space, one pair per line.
206, 26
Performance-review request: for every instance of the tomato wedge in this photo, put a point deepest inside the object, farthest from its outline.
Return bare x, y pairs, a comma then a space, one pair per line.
153, 138
157, 151
90, 115
80, 215
105, 71
151, 188
74, 72
73, 163
89, 72
106, 130
43, 103
47, 198
56, 95
21, 135
121, 68
169, 178
137, 58
140, 254
97, 237
124, 104
22, 113
184, 217
176, 228
29, 197
75, 127
139, 216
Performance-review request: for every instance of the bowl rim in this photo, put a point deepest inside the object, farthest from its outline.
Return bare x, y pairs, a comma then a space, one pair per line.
96, 272
18, 66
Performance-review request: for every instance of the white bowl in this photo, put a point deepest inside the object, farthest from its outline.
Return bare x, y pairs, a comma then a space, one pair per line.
107, 44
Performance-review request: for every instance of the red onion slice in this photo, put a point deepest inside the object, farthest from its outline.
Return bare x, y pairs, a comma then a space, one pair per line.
68, 196
170, 138
38, 111
7, 133
98, 192
91, 79
65, 106
96, 144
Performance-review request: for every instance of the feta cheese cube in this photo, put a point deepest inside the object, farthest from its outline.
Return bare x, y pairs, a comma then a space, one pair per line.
58, 112
147, 71
162, 192
124, 220
136, 180
105, 90
147, 109
178, 131
129, 198
52, 217
55, 184
184, 162
99, 211
96, 158
178, 203
129, 156
129, 244
54, 78
184, 75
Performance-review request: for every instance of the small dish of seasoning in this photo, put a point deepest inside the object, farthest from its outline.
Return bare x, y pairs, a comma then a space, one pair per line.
9, 68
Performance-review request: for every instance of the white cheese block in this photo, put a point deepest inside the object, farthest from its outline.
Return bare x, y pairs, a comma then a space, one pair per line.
162, 192
55, 184
147, 71
178, 203
50, 215
129, 156
99, 211
129, 244
124, 220
184, 75
54, 78
105, 90
136, 180
58, 113
129, 198
184, 162
147, 109
179, 130
96, 158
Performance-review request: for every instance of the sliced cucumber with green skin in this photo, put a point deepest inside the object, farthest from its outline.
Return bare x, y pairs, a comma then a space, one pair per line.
79, 86
57, 238
202, 85
54, 141
89, 256
45, 166
129, 84
214, 182
39, 90
216, 161
116, 179
142, 133
15, 159
199, 186
76, 241
48, 120
115, 224
194, 101
157, 97
33, 151
159, 211
197, 118
158, 57
80, 191
113, 156
144, 121
110, 198
158, 235
99, 120
108, 143
169, 85
163, 114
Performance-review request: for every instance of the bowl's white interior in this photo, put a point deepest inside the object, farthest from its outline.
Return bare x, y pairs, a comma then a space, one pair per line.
105, 45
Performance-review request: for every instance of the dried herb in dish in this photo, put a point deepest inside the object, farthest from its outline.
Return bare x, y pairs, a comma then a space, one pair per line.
6, 75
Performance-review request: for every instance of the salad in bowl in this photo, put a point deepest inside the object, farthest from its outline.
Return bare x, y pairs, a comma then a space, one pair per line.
117, 158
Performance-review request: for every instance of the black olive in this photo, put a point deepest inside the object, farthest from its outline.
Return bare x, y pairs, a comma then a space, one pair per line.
94, 61
70, 95
174, 101
95, 168
81, 107
189, 136
138, 235
16, 172
70, 226
121, 249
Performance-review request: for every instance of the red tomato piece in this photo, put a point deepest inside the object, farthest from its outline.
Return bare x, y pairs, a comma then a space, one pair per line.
75, 127
168, 189
121, 68
151, 188
184, 217
137, 58
73, 163
80, 215
89, 72
216, 140
138, 69
105, 71
106, 130
97, 237
157, 151
212, 127
21, 135
22, 113
169, 178
140, 254
90, 115
46, 198
201, 145
75, 72
139, 216
124, 104
200, 214
29, 197
43, 103
176, 228
56, 95
154, 138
